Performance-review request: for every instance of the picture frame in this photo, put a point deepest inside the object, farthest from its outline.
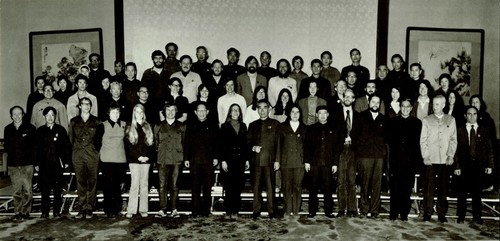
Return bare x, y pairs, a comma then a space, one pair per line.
53, 53
458, 52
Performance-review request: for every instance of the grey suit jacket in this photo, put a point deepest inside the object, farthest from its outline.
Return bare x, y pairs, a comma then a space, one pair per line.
244, 88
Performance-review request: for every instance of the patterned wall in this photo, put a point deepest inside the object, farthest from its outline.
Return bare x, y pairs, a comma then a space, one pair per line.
285, 28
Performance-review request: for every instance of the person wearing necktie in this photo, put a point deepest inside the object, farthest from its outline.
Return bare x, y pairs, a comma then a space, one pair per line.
473, 160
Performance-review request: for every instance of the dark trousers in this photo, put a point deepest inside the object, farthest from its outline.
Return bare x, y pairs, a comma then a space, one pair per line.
321, 177
346, 190
112, 176
203, 179
370, 172
470, 181
51, 178
263, 175
168, 175
436, 177
402, 180
86, 183
292, 186
234, 181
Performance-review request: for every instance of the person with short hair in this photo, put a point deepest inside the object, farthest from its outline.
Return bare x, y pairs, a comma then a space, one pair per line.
321, 161
246, 83
233, 69
297, 73
214, 81
362, 72
52, 150
35, 96
130, 84
19, 143
65, 89
473, 161
261, 139
308, 105
116, 90
152, 110
172, 64
265, 69
97, 73
119, 68
156, 78
190, 80
228, 99
201, 156
202, 66
38, 118
325, 91
438, 144
370, 90
170, 140
175, 96
328, 72
73, 106
398, 77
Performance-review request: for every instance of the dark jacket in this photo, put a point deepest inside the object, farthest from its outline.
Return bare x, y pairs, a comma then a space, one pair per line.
403, 137
170, 141
371, 141
263, 133
53, 148
201, 142
484, 149
20, 144
321, 145
290, 150
82, 136
234, 147
134, 151
339, 121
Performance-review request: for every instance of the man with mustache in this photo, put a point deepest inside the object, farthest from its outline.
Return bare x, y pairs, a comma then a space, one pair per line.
282, 81
247, 82
156, 78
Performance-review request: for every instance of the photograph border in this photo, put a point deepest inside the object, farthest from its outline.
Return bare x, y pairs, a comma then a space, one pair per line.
37, 39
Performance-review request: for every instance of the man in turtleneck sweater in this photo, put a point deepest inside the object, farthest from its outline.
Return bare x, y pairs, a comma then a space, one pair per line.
190, 80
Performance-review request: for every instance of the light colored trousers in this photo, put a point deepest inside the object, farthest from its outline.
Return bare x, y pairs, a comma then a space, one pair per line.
139, 174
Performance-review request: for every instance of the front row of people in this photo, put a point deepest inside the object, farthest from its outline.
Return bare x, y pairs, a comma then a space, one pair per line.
340, 143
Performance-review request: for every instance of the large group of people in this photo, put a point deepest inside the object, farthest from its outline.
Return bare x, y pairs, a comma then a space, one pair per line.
280, 124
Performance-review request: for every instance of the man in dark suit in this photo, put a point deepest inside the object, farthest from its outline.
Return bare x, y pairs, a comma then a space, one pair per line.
371, 152
321, 161
473, 159
233, 69
97, 73
265, 70
261, 137
403, 137
214, 81
347, 123
247, 82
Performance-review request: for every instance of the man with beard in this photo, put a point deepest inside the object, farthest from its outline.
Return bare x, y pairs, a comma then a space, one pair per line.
190, 80
171, 63
324, 87
282, 81
232, 69
361, 103
97, 73
156, 78
265, 70
438, 144
213, 81
371, 152
362, 72
247, 82
201, 67
347, 123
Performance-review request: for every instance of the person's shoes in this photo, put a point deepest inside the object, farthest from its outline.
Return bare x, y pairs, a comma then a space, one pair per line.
427, 217
330, 215
57, 215
272, 216
341, 214
175, 214
255, 216
160, 214
404, 218
129, 215
460, 220
442, 219
478, 221
44, 215
363, 215
394, 217
18, 217
352, 214
311, 215
89, 214
144, 214
374, 216
80, 215
25, 215
111, 215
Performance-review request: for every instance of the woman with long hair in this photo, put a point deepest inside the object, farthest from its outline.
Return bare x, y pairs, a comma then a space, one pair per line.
235, 158
283, 106
139, 143
394, 106
251, 114
423, 105
455, 107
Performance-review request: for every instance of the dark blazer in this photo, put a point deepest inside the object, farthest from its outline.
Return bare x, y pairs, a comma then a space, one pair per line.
263, 133
201, 142
215, 89
233, 148
484, 149
244, 88
53, 148
19, 144
134, 151
338, 119
371, 141
321, 145
403, 137
290, 150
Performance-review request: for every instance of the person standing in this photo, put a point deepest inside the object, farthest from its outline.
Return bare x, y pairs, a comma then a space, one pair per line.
261, 139
201, 156
82, 135
19, 144
474, 159
52, 150
139, 142
170, 139
403, 138
438, 144
234, 154
290, 155
110, 143
321, 161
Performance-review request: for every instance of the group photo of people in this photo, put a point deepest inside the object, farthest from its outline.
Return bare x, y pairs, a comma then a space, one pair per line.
262, 123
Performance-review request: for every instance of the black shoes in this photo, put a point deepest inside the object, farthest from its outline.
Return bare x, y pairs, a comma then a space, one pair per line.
352, 214
460, 220
311, 215
478, 221
442, 219
255, 216
44, 215
80, 215
427, 217
341, 214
